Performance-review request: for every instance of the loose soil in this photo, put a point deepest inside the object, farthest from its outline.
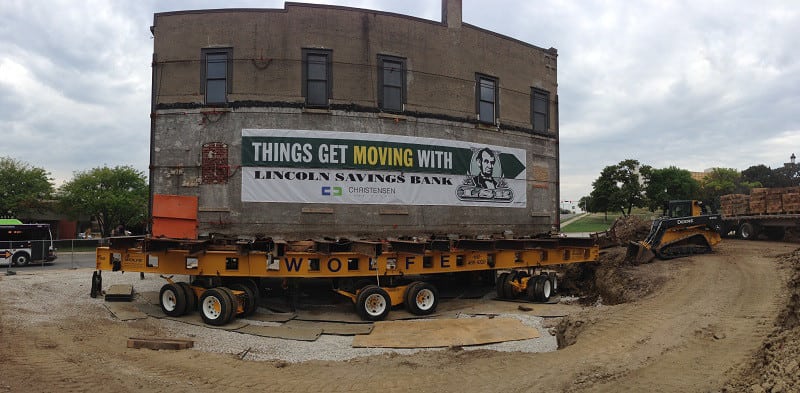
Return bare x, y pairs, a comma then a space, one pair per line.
726, 321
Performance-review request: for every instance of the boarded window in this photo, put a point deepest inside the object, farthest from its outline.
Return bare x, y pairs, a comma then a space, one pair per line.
215, 163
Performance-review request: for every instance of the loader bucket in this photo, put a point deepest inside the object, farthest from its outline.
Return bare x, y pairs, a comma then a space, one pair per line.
639, 253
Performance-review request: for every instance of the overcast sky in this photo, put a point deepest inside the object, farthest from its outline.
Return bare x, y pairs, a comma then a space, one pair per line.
695, 84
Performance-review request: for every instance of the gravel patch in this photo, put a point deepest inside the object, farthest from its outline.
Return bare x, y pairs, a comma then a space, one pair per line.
56, 295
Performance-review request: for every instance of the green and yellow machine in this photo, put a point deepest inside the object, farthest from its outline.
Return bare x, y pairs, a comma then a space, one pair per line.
687, 228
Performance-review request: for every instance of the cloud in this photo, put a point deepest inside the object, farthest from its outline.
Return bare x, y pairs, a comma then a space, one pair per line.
691, 84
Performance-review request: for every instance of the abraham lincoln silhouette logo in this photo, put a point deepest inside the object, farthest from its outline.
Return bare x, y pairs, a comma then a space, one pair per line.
484, 181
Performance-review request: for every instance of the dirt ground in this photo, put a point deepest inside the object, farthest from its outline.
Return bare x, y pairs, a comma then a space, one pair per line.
727, 321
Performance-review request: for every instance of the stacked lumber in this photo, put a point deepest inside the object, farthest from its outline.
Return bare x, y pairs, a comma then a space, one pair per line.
734, 204
758, 200
761, 201
775, 200
791, 200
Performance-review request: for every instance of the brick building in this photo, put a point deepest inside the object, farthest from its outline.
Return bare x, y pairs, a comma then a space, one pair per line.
318, 120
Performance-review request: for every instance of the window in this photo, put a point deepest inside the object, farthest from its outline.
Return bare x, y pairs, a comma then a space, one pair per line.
317, 77
391, 83
486, 97
216, 74
540, 110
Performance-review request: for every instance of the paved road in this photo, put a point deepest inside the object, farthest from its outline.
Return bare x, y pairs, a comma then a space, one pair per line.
65, 260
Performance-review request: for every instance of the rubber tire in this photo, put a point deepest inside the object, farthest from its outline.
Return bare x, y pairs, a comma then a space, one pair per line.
553, 281
222, 298
500, 285
508, 288
412, 296
546, 289
540, 290
234, 304
21, 258
191, 298
368, 294
250, 298
747, 231
175, 294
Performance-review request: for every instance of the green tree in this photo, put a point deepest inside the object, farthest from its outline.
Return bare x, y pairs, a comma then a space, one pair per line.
760, 174
786, 176
663, 185
113, 196
722, 181
618, 188
22, 187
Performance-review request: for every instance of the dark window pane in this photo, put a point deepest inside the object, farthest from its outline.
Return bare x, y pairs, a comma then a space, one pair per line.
487, 112
539, 122
487, 90
215, 90
216, 66
392, 74
392, 98
540, 105
317, 67
317, 93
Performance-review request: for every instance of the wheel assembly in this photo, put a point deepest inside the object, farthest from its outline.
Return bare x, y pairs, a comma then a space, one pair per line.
216, 306
172, 298
250, 298
20, 259
373, 303
553, 281
747, 231
421, 298
500, 285
540, 288
191, 298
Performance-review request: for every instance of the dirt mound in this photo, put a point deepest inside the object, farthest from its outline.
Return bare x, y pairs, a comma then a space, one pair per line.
623, 230
609, 281
776, 366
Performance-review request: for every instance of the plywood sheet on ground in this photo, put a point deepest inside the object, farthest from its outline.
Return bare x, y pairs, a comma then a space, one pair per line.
444, 333
125, 311
192, 318
335, 328
289, 333
149, 297
272, 317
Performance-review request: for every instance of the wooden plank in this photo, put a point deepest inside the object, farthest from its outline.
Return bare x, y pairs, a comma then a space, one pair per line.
159, 343
444, 333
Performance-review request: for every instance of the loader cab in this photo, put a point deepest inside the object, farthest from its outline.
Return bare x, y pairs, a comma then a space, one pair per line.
687, 208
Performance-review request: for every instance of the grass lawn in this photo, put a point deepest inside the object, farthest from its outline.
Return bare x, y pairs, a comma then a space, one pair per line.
595, 222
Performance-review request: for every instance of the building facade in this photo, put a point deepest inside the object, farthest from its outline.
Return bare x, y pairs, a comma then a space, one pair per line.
317, 120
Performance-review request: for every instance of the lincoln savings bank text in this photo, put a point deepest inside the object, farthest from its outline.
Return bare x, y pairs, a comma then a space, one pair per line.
352, 156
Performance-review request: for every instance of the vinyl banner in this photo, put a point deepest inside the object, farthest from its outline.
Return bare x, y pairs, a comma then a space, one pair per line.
302, 166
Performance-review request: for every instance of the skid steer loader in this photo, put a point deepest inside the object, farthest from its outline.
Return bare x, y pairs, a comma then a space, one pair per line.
687, 228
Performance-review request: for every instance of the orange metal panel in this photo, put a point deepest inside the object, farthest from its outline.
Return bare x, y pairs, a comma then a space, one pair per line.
175, 216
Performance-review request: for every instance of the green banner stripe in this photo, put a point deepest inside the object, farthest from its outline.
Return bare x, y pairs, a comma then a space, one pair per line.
292, 152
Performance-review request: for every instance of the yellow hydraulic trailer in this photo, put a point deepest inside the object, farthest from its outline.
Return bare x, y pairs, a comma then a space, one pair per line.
224, 276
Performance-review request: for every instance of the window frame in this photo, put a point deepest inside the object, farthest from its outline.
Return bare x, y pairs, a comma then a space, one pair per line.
382, 84
479, 98
328, 53
204, 54
539, 94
